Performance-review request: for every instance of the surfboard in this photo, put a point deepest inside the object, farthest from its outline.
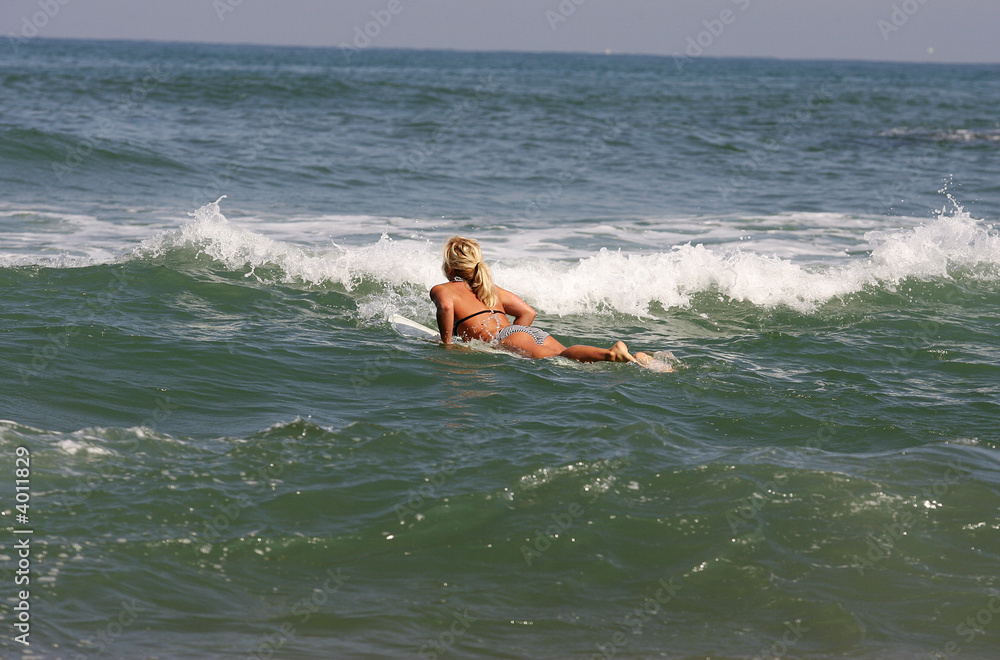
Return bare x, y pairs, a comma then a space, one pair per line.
409, 328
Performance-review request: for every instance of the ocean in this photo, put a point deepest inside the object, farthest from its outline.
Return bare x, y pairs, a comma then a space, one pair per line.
216, 445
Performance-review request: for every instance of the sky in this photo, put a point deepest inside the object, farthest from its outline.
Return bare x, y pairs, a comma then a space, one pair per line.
888, 30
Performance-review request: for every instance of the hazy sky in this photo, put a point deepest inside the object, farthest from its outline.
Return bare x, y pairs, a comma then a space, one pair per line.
911, 30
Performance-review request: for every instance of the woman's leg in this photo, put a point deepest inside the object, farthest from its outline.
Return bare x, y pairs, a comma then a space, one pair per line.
581, 353
524, 344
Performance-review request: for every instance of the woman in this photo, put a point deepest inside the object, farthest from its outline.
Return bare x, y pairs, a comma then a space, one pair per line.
471, 306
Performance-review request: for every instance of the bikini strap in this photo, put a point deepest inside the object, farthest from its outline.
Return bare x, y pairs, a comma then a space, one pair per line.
463, 320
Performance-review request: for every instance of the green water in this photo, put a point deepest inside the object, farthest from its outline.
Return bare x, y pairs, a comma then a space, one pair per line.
232, 454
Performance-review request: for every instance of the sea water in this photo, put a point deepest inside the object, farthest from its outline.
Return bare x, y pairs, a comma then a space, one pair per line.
233, 455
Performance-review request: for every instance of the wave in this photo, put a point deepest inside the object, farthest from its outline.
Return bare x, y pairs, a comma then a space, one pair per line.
394, 273
952, 246
237, 248
62, 153
958, 135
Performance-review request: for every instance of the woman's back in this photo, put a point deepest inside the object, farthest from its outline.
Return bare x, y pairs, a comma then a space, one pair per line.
471, 318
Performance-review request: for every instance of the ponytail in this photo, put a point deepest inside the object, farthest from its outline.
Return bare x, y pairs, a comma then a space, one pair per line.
482, 285
463, 257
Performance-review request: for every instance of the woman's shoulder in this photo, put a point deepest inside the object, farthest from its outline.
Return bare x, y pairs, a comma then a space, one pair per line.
445, 289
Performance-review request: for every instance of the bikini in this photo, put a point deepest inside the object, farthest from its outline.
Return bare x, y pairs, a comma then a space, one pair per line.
538, 335
461, 321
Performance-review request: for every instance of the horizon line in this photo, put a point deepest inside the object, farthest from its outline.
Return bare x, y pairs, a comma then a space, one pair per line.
596, 53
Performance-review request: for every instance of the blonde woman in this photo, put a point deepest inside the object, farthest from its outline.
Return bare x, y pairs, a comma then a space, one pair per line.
471, 306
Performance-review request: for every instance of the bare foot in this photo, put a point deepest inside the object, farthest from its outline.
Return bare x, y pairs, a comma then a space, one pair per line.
619, 353
650, 362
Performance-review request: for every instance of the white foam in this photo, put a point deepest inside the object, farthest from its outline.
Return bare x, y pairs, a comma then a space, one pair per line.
666, 264
30, 236
960, 135
63, 238
955, 241
387, 261
610, 280
78, 443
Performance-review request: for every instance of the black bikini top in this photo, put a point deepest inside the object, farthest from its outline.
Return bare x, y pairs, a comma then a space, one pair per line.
461, 321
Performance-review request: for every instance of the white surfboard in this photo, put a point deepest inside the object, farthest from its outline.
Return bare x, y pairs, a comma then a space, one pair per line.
408, 328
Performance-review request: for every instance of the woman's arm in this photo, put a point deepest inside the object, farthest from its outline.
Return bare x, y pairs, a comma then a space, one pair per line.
516, 307
445, 313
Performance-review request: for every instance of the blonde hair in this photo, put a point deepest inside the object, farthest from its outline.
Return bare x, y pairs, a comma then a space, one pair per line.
464, 259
